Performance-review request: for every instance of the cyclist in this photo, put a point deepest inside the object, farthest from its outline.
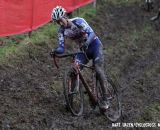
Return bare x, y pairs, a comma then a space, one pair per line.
78, 29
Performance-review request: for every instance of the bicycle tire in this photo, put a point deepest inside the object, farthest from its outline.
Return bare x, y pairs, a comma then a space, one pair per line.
73, 93
114, 111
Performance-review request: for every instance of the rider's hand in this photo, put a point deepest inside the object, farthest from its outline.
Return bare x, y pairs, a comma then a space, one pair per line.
59, 50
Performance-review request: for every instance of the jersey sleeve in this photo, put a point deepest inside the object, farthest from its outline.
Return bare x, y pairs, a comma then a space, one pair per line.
83, 26
61, 37
86, 30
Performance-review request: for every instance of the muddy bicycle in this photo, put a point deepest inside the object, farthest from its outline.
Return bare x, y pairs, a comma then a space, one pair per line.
74, 85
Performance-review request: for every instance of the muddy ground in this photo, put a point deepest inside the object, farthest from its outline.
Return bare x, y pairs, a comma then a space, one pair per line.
31, 96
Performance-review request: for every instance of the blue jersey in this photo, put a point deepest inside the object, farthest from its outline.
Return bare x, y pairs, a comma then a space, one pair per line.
80, 32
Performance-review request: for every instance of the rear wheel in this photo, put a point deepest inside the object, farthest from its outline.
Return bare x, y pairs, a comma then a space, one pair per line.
113, 112
73, 92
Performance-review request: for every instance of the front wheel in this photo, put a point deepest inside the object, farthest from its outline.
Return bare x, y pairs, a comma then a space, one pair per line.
73, 92
113, 112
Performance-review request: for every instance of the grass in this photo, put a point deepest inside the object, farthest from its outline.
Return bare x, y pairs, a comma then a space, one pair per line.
87, 12
13, 45
7, 50
123, 2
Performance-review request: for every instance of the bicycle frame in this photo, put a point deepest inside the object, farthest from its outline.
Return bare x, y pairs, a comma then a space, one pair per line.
93, 98
76, 66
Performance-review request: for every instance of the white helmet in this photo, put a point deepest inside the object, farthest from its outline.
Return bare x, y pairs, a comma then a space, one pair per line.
57, 13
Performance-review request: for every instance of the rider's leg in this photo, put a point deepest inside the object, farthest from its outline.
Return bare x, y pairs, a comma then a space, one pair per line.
102, 79
96, 52
99, 66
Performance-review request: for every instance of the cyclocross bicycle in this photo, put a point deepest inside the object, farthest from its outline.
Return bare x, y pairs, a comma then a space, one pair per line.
74, 85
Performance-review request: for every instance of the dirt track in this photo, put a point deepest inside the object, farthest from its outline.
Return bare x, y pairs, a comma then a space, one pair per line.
31, 95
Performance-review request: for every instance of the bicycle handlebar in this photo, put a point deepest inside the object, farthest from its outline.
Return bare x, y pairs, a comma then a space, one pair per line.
68, 55
63, 56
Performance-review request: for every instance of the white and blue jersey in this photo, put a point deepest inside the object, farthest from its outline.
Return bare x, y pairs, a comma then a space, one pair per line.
81, 32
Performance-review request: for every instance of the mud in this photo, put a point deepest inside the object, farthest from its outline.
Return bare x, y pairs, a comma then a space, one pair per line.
31, 94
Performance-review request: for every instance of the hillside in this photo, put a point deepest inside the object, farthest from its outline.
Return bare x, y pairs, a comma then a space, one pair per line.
31, 94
